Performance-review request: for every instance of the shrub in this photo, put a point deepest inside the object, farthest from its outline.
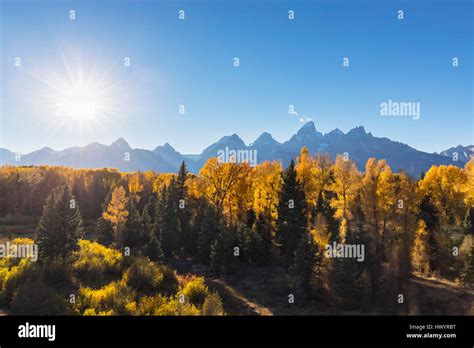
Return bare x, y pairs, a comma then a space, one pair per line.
212, 305
13, 274
35, 297
144, 276
94, 259
113, 298
195, 290
161, 305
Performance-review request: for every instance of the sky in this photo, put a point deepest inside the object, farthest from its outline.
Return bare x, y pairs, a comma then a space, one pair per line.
73, 85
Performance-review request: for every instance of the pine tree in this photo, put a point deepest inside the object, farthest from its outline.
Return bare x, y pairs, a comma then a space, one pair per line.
211, 227
467, 275
146, 222
428, 213
154, 250
61, 224
468, 223
323, 206
307, 263
223, 261
291, 222
169, 232
184, 215
191, 244
104, 230
251, 243
346, 276
133, 236
264, 232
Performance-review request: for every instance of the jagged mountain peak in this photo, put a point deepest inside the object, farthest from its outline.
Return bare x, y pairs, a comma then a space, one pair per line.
358, 131
308, 127
120, 143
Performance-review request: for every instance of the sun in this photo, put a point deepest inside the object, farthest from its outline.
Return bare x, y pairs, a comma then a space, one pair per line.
79, 94
79, 101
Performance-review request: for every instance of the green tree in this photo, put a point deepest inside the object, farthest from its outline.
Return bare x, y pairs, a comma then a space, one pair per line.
184, 215
211, 227
428, 240
169, 232
60, 227
133, 236
223, 258
153, 249
291, 222
265, 235
307, 263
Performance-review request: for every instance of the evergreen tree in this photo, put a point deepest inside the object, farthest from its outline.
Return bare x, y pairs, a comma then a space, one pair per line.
158, 216
264, 232
104, 230
251, 244
223, 258
146, 222
191, 244
346, 276
150, 208
307, 263
169, 232
467, 275
468, 223
211, 227
291, 222
60, 226
154, 250
428, 213
323, 206
133, 236
184, 215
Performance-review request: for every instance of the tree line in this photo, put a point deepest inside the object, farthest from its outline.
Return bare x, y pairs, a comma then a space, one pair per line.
232, 214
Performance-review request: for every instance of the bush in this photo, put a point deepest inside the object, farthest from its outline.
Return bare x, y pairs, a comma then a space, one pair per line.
35, 297
112, 299
144, 276
195, 291
212, 305
161, 305
170, 284
13, 274
147, 277
94, 259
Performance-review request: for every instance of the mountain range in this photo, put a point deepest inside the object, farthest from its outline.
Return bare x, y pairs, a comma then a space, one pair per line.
359, 144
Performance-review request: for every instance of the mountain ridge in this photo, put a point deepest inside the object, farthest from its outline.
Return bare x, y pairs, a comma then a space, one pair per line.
359, 144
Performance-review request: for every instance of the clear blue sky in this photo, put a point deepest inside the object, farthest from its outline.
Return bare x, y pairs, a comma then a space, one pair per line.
283, 62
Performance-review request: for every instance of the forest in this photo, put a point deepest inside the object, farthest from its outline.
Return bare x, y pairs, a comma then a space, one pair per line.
236, 239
